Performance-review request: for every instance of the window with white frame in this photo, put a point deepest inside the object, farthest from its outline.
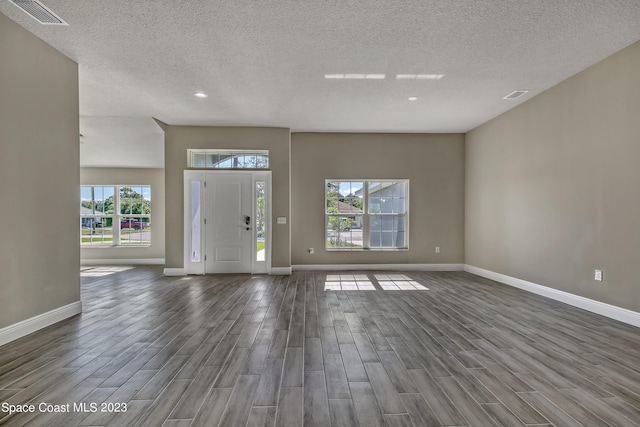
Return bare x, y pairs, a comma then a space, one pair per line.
97, 214
228, 159
366, 214
115, 215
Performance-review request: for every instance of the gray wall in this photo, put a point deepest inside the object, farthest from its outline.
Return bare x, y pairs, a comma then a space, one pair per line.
552, 186
39, 177
130, 176
434, 164
178, 139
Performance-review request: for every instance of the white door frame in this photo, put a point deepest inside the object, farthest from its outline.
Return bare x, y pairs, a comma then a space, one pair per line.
196, 264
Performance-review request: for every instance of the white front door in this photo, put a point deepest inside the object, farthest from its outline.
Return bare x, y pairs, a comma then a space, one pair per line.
228, 223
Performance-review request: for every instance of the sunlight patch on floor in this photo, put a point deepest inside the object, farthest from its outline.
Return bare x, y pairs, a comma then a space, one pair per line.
348, 282
101, 271
398, 282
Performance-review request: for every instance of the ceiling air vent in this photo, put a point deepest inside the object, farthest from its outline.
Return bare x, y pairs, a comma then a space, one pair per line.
515, 94
39, 12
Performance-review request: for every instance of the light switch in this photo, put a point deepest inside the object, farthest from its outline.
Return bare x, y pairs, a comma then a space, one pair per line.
281, 220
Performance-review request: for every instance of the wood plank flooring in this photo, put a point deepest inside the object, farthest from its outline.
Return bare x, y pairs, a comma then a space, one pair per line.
241, 350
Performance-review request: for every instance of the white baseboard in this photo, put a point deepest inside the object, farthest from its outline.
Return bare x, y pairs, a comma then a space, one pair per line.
25, 327
604, 309
280, 271
275, 271
123, 261
396, 267
175, 271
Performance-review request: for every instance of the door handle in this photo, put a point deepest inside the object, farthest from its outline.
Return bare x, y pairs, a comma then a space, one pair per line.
247, 222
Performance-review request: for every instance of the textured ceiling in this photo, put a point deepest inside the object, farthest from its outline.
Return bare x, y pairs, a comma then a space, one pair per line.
262, 62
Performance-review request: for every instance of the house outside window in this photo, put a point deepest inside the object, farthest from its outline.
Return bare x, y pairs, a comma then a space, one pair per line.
115, 216
366, 214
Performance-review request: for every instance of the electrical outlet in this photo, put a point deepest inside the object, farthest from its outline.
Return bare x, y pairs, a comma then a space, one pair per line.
437, 249
597, 275
311, 251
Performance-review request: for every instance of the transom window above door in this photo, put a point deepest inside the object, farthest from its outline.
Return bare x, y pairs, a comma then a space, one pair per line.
228, 159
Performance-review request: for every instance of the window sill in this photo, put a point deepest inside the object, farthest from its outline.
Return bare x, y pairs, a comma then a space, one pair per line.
113, 246
366, 249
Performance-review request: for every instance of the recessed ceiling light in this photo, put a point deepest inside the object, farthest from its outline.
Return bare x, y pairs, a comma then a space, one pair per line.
375, 76
413, 98
200, 95
334, 76
516, 94
354, 76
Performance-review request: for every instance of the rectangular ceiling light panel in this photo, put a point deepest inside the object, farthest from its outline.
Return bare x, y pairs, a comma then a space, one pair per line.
419, 76
353, 76
39, 12
516, 94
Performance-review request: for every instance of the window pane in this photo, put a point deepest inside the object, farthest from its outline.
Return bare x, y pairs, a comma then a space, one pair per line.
225, 161
212, 160
96, 200
375, 201
344, 231
387, 223
345, 197
146, 200
195, 221
385, 205
125, 200
375, 223
374, 205
135, 231
132, 201
374, 239
262, 161
332, 196
86, 200
96, 231
353, 200
399, 189
261, 223
387, 239
387, 197
239, 161
198, 160
399, 205
108, 194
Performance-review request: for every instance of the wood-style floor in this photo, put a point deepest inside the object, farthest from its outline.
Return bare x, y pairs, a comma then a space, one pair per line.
237, 350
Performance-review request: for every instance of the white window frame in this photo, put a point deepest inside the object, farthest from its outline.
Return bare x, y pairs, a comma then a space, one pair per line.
95, 216
231, 152
366, 216
116, 219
